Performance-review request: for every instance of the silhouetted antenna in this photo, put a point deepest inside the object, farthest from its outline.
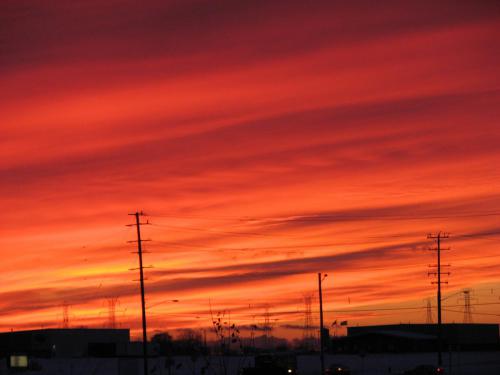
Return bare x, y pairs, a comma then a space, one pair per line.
65, 318
438, 237
139, 241
429, 319
112, 312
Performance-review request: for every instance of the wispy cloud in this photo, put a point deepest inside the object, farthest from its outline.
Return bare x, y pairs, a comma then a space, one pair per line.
268, 140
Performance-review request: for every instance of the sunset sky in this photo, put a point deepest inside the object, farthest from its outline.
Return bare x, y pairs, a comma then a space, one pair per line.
266, 141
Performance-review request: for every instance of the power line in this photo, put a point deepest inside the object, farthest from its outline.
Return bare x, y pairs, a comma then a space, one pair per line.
209, 230
303, 246
302, 312
474, 313
451, 295
330, 218
406, 308
320, 217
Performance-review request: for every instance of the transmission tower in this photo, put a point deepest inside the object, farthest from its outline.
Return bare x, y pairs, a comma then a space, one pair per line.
308, 319
253, 327
438, 238
308, 330
267, 326
429, 319
467, 308
112, 312
65, 316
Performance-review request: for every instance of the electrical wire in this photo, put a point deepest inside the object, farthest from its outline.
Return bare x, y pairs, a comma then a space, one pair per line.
472, 312
320, 217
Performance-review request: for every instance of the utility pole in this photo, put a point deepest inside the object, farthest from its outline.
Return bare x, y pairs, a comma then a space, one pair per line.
321, 327
438, 237
143, 300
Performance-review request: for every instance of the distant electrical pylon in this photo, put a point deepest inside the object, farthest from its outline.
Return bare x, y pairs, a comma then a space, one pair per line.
308, 321
65, 315
253, 327
467, 309
308, 331
429, 319
438, 237
112, 312
267, 326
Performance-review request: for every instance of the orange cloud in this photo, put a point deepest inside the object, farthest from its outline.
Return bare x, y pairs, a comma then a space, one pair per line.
268, 141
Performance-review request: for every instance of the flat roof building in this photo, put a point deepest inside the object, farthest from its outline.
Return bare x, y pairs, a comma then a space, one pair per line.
418, 338
71, 342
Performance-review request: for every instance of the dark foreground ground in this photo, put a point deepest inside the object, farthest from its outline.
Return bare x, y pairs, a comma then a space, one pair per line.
464, 363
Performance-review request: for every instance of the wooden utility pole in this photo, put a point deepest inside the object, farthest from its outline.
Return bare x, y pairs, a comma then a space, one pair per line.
438, 237
143, 299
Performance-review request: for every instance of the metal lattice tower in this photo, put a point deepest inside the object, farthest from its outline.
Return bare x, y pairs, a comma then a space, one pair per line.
112, 312
308, 330
429, 319
65, 319
267, 324
467, 309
